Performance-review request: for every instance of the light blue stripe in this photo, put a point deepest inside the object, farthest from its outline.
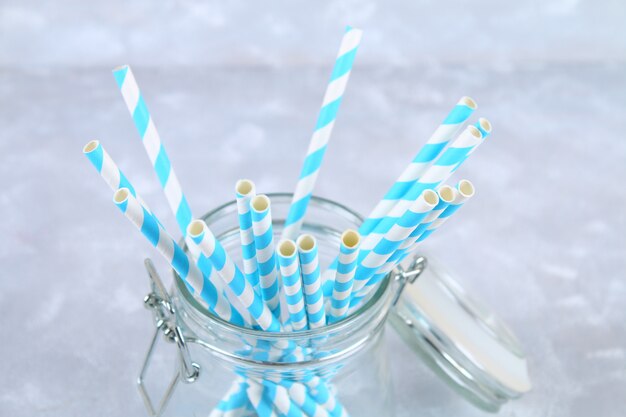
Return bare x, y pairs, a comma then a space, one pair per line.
343, 64
429, 152
183, 215
453, 156
312, 162
141, 116
297, 210
120, 75
162, 166
150, 228
397, 190
328, 113
96, 157
459, 114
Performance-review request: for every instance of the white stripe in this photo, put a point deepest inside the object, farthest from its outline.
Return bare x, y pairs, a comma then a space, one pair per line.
413, 171
130, 91
351, 40
172, 191
341, 295
320, 138
305, 187
309, 268
194, 278
265, 320
247, 237
267, 281
166, 246
289, 270
152, 142
311, 289
263, 255
109, 171
247, 296
292, 289
444, 133
336, 89
375, 260
249, 265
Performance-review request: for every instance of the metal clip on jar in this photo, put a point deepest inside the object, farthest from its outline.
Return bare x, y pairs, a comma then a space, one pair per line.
461, 341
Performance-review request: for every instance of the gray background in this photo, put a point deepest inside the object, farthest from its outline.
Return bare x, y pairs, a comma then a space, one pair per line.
234, 88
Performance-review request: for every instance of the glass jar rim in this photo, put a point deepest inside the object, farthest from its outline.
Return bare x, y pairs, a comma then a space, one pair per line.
373, 304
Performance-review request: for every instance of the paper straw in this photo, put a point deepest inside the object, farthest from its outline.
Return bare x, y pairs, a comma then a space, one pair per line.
261, 402
292, 283
235, 401
323, 128
298, 393
446, 195
374, 259
106, 167
438, 173
279, 397
313, 297
484, 126
197, 283
318, 389
348, 253
152, 143
245, 191
265, 255
466, 191
232, 275
447, 130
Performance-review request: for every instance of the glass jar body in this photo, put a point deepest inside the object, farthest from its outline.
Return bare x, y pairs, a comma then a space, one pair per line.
341, 369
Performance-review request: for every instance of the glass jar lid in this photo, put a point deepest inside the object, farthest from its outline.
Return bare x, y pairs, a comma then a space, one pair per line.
460, 340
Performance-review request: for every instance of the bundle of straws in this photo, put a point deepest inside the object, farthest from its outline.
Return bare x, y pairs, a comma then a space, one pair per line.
280, 287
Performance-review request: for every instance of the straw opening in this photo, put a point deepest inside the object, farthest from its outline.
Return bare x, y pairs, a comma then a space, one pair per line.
91, 146
469, 102
350, 238
446, 193
260, 203
195, 228
306, 243
121, 195
485, 124
286, 248
244, 187
466, 188
475, 132
431, 197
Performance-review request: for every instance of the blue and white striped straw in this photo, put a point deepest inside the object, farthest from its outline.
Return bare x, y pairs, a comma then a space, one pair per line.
323, 128
484, 126
232, 275
465, 191
447, 130
261, 213
186, 269
152, 143
292, 283
280, 398
313, 297
391, 240
446, 195
245, 191
106, 167
440, 171
235, 402
260, 400
344, 278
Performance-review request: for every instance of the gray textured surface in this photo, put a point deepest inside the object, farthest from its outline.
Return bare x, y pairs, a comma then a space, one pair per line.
234, 92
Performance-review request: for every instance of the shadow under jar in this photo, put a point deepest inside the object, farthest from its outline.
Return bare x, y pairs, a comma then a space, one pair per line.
337, 370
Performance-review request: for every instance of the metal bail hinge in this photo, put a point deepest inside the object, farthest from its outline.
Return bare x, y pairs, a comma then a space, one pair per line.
164, 313
409, 275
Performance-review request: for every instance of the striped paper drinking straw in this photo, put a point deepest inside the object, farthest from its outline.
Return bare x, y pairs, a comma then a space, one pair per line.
106, 167
232, 275
313, 297
235, 401
261, 402
484, 126
292, 283
374, 259
447, 130
245, 191
323, 128
186, 269
346, 267
440, 171
261, 214
446, 195
281, 400
466, 191
152, 143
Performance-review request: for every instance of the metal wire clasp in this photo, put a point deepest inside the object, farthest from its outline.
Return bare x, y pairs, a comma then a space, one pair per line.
165, 322
409, 275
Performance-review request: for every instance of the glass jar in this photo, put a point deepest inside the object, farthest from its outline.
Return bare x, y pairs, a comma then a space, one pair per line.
343, 367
